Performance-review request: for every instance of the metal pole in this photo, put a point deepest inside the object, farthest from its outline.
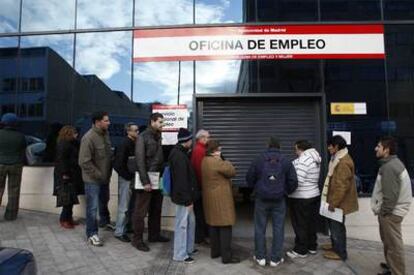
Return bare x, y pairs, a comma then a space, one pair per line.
72, 98
179, 82
132, 53
18, 85
194, 62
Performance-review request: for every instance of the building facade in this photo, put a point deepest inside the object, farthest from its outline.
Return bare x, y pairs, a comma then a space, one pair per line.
96, 38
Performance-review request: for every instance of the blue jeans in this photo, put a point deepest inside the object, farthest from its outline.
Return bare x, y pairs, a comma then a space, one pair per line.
124, 195
96, 195
183, 233
263, 210
338, 238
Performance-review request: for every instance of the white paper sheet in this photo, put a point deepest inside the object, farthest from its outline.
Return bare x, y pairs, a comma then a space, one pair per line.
338, 215
345, 134
154, 178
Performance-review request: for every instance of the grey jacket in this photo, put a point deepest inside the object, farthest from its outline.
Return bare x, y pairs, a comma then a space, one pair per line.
148, 154
392, 192
95, 156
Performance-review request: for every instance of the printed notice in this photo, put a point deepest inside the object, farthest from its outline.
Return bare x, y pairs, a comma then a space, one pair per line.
338, 215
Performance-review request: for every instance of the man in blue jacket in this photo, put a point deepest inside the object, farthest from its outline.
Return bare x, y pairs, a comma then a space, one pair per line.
273, 177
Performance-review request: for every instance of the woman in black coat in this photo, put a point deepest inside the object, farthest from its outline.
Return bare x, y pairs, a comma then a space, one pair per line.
68, 175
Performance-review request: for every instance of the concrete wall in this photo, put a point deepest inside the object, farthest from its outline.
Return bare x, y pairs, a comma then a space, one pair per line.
37, 188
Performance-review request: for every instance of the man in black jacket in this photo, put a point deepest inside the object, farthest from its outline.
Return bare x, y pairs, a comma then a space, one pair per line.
149, 158
185, 191
123, 152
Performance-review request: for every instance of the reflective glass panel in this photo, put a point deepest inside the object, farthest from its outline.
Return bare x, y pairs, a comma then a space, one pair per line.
42, 15
9, 15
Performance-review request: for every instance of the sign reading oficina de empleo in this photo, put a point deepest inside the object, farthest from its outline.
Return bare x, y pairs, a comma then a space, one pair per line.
175, 117
260, 42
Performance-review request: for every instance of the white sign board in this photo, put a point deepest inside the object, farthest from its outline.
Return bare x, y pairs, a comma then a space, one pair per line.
175, 117
260, 42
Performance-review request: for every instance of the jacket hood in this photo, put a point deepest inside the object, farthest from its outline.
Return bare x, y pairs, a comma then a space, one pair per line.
312, 153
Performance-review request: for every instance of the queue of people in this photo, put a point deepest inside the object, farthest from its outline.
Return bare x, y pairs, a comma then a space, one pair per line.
201, 189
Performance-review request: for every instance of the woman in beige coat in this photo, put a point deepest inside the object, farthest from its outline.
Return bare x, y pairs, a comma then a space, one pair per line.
218, 201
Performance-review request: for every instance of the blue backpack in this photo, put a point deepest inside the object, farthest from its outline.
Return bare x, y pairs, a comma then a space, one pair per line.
271, 184
166, 181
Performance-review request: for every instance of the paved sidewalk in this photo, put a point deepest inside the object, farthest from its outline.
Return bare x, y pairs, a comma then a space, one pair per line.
60, 251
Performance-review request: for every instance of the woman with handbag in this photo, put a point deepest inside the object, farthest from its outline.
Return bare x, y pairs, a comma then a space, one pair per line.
67, 174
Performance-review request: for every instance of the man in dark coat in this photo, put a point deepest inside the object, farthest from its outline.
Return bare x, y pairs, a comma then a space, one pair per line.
185, 191
12, 151
125, 150
149, 158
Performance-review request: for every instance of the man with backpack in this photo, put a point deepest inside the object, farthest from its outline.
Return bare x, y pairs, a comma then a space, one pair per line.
273, 177
185, 191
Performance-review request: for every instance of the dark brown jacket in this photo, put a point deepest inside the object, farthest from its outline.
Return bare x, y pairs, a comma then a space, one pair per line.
217, 191
342, 191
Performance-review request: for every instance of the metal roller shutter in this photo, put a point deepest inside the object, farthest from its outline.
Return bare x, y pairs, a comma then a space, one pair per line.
244, 124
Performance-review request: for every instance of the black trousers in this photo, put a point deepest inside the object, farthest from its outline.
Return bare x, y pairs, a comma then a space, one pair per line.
67, 213
147, 203
201, 230
304, 216
220, 242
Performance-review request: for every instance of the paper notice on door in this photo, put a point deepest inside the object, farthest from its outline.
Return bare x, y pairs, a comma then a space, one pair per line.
338, 215
345, 134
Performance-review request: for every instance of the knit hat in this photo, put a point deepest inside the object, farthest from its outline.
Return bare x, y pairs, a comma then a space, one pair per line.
9, 119
184, 135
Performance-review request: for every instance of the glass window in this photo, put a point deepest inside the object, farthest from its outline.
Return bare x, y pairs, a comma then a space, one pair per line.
163, 12
62, 44
346, 10
103, 82
104, 13
9, 16
218, 11
398, 9
399, 41
221, 76
359, 81
280, 10
279, 76
42, 15
163, 82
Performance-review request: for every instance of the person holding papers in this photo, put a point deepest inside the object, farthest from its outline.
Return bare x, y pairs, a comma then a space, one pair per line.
339, 194
150, 160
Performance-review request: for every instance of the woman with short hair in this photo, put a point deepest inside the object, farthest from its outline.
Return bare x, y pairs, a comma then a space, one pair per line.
218, 201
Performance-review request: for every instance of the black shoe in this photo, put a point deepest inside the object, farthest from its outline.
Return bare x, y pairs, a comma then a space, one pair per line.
195, 252
123, 238
159, 239
384, 266
233, 260
142, 247
189, 260
385, 273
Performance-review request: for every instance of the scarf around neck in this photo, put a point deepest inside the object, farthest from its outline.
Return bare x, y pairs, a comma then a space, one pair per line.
332, 165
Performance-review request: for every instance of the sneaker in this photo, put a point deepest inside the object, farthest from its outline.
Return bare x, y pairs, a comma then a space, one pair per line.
331, 255
293, 254
261, 262
195, 252
189, 260
95, 240
312, 252
275, 264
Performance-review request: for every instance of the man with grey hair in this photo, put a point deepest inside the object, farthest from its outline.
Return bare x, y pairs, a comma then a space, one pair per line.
125, 150
197, 156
